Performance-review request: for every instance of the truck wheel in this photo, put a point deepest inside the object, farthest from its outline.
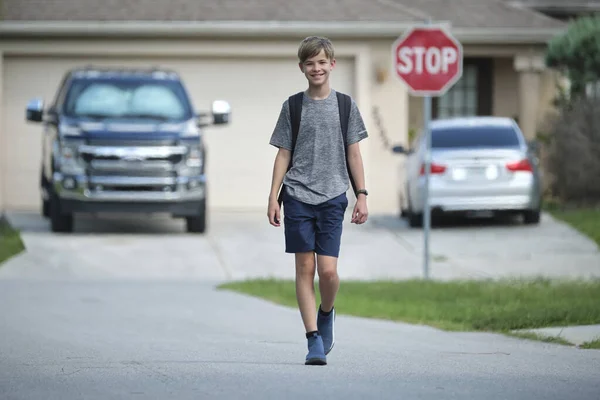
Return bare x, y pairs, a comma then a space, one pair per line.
45, 208
59, 222
197, 224
45, 202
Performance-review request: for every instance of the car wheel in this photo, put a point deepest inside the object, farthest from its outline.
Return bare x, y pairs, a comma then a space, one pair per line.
59, 222
403, 211
531, 217
415, 220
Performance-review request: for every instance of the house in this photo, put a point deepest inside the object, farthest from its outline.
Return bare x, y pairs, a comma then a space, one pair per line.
244, 51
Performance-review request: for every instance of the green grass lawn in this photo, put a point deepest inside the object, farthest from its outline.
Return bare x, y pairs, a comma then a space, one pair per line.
499, 306
585, 220
594, 344
10, 241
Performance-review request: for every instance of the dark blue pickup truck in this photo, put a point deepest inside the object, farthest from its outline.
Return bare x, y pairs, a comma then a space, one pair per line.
123, 141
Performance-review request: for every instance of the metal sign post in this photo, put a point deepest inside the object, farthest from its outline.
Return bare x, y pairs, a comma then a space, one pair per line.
429, 60
426, 203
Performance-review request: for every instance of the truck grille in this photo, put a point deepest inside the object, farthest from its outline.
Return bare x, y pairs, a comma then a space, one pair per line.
132, 143
130, 161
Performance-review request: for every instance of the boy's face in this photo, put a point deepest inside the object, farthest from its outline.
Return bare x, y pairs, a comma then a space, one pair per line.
317, 69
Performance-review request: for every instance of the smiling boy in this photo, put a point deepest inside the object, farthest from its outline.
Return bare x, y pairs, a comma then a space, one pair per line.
313, 189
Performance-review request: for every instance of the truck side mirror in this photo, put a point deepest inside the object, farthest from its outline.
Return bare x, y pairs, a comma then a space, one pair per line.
221, 111
35, 110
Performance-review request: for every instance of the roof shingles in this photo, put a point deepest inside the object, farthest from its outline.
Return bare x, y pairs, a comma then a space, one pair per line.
203, 10
482, 14
461, 13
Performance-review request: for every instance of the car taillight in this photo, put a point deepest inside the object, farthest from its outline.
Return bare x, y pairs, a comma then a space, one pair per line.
522, 165
435, 169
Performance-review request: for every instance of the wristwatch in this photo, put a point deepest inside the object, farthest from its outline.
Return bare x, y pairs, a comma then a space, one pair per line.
363, 191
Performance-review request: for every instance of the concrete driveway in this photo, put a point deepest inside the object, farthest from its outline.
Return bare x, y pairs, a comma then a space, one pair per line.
244, 245
124, 310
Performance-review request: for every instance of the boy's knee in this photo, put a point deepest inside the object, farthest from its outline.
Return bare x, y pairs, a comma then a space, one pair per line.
305, 264
327, 268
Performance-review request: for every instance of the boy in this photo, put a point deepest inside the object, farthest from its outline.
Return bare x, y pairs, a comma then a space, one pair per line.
314, 191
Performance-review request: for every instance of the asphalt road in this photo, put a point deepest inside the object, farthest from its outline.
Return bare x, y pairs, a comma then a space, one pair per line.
178, 340
148, 323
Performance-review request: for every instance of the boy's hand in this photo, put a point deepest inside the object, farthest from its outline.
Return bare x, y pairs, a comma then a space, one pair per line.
360, 213
274, 212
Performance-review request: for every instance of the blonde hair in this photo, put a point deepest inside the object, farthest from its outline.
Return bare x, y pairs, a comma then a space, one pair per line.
312, 45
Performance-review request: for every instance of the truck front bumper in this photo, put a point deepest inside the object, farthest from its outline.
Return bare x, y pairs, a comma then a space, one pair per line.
181, 196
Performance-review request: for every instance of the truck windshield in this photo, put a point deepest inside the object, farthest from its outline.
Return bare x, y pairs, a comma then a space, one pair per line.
113, 98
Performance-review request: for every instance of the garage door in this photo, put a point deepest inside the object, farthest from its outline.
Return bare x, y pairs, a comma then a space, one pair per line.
240, 160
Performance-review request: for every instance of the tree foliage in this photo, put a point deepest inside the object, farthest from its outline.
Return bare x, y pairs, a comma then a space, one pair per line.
574, 152
576, 52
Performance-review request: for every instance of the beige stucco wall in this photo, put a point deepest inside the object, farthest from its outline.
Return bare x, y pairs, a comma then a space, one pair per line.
505, 97
2, 133
507, 86
380, 164
389, 112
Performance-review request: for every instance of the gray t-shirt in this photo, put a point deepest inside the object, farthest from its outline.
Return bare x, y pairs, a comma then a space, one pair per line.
319, 171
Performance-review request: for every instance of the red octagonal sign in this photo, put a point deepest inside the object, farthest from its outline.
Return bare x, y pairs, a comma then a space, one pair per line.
428, 59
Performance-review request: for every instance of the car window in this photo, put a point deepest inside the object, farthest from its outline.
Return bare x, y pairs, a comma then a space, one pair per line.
474, 137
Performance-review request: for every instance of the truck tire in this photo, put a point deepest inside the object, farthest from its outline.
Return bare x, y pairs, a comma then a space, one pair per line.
59, 222
197, 224
45, 202
45, 208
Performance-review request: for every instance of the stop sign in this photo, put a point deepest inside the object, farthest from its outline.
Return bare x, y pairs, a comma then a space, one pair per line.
428, 59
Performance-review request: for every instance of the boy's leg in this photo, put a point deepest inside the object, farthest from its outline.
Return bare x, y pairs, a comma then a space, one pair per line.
330, 219
329, 281
299, 222
305, 289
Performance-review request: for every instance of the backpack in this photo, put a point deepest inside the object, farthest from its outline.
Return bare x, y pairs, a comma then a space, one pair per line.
295, 106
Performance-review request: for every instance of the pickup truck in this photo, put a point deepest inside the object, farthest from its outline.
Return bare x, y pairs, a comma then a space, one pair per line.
123, 141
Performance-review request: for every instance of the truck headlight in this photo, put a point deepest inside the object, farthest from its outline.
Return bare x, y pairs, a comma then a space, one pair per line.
194, 159
68, 160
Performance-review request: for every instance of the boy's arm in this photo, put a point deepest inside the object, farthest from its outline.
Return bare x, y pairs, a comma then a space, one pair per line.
355, 162
356, 133
282, 139
282, 160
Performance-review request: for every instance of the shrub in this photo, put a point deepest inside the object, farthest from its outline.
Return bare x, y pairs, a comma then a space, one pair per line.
574, 152
573, 147
576, 52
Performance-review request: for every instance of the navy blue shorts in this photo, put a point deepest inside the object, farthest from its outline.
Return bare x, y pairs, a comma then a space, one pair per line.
315, 228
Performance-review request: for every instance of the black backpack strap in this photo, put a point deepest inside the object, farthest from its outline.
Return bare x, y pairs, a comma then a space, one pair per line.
344, 105
295, 107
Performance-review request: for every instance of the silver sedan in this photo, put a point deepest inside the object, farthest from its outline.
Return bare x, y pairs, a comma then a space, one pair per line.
479, 165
